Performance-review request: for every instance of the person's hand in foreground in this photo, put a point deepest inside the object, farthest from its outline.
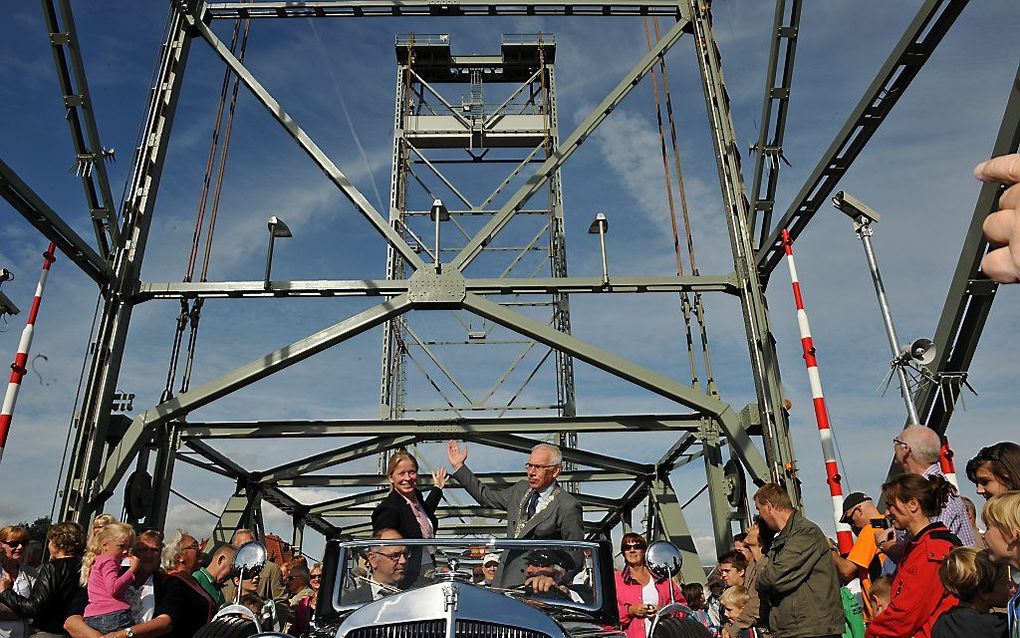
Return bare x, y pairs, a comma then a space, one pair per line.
1002, 228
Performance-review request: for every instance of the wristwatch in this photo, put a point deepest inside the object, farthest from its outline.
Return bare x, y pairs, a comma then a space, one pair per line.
129, 633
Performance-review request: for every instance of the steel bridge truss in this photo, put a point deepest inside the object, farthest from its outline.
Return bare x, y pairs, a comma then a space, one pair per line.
104, 450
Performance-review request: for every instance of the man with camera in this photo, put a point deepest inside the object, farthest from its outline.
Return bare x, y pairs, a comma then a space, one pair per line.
865, 559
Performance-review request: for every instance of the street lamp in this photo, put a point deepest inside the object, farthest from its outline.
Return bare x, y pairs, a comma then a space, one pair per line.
600, 226
439, 214
864, 216
277, 228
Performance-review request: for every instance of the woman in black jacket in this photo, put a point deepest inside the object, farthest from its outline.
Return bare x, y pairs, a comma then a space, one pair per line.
57, 582
406, 509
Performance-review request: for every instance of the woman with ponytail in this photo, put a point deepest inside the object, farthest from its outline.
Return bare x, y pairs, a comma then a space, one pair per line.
918, 597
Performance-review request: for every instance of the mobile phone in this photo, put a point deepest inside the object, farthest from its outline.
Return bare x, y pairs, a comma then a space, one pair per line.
880, 523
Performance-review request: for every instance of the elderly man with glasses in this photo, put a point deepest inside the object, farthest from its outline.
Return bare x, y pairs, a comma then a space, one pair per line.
917, 451
537, 507
387, 565
864, 560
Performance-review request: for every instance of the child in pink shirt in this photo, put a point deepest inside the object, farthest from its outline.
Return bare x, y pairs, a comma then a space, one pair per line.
108, 609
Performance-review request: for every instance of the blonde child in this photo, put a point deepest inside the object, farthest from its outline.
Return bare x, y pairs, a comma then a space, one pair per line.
108, 609
879, 594
733, 600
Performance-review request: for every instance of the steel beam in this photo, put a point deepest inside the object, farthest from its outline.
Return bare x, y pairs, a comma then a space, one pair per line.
90, 154
630, 371
673, 527
330, 458
46, 221
578, 457
392, 288
761, 343
768, 152
573, 141
142, 426
487, 478
306, 143
914, 48
78, 501
410, 8
238, 513
438, 429
347, 502
970, 294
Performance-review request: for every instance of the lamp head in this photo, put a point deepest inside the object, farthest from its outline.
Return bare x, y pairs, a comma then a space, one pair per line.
439, 210
854, 208
600, 221
278, 228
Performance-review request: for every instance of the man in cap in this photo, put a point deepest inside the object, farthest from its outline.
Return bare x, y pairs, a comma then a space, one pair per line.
545, 575
490, 563
865, 560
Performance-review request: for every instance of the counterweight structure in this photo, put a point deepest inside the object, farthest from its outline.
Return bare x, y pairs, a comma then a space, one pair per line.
476, 135
470, 284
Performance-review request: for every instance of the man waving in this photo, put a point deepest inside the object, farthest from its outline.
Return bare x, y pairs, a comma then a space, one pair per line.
536, 507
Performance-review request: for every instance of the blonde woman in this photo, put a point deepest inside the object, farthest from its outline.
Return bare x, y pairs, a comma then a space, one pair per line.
1002, 535
13, 541
406, 509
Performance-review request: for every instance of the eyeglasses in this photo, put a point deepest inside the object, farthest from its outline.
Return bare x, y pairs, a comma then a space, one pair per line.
315, 577
899, 442
490, 565
15, 543
537, 466
854, 512
628, 547
187, 547
394, 556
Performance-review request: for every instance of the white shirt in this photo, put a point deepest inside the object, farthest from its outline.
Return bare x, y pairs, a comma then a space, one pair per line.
649, 596
143, 600
544, 496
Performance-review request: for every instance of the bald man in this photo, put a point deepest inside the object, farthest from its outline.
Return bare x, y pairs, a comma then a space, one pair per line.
1002, 228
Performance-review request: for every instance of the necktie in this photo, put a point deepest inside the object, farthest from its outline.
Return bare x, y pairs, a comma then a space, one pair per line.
532, 504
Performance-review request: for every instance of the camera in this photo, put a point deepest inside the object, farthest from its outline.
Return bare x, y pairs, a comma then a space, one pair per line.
854, 207
880, 523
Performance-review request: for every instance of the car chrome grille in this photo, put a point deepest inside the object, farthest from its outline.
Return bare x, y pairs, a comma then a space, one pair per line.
437, 629
477, 629
416, 629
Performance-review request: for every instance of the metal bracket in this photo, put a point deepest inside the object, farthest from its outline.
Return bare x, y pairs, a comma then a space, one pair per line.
426, 287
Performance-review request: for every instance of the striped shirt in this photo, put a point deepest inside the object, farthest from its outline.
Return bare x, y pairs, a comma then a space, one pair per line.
954, 514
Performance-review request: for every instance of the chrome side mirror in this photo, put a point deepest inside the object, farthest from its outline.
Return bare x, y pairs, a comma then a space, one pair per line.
250, 559
664, 559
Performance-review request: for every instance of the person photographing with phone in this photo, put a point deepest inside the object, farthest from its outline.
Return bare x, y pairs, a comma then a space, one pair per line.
865, 559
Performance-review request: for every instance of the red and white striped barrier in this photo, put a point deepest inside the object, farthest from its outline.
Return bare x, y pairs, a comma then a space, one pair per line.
21, 359
843, 534
946, 463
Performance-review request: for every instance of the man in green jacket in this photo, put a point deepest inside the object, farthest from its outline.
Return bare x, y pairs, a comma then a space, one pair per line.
798, 582
211, 578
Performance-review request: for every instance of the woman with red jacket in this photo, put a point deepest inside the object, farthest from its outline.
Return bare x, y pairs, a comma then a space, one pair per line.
638, 593
918, 597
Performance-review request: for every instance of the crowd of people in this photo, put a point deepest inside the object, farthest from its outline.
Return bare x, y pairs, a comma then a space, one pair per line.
117, 583
920, 568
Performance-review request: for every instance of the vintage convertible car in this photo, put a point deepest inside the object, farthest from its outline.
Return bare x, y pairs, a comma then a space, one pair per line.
549, 589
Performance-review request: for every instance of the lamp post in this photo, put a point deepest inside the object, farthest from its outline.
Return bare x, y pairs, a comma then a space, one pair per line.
600, 226
439, 214
863, 216
277, 228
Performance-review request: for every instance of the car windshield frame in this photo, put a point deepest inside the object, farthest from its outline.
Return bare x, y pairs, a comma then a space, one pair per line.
488, 544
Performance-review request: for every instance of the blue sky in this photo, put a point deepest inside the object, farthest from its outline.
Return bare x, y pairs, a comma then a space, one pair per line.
336, 78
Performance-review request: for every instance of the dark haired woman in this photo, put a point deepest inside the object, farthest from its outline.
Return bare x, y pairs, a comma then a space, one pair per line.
406, 510
56, 585
639, 594
918, 597
996, 469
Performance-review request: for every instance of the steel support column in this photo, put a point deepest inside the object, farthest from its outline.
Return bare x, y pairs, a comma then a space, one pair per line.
764, 362
672, 526
88, 451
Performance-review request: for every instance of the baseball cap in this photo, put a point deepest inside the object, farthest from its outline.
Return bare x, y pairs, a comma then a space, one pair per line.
852, 500
490, 558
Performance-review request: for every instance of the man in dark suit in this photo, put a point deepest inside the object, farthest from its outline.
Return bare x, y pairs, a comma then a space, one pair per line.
536, 507
387, 565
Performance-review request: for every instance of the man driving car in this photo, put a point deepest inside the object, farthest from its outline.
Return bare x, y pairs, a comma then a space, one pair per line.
545, 576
